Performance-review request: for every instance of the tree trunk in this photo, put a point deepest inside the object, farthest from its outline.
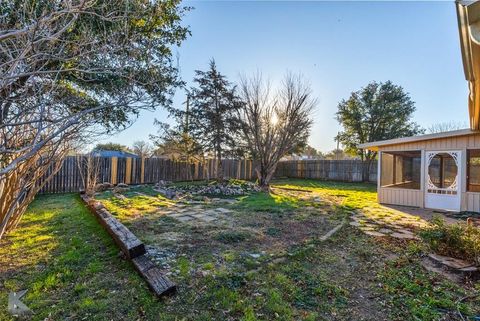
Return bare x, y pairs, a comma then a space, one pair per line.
265, 175
366, 164
219, 166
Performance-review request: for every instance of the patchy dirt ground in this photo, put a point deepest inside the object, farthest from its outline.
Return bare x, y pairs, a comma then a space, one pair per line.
217, 226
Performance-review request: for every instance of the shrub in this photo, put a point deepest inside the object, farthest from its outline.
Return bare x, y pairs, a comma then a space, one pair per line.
459, 240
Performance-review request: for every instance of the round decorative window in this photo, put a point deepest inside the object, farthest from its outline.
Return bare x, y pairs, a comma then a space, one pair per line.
443, 170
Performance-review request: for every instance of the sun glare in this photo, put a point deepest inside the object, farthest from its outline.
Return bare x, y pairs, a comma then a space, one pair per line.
274, 120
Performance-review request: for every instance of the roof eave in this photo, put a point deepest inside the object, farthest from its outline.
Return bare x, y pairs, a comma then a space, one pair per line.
374, 146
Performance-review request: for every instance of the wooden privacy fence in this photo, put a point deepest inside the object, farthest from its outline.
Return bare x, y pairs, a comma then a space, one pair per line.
151, 170
334, 170
139, 171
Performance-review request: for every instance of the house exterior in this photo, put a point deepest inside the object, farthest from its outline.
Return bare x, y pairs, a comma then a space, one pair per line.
439, 171
113, 153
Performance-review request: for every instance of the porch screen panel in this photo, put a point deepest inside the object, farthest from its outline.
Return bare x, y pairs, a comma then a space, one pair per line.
401, 169
473, 170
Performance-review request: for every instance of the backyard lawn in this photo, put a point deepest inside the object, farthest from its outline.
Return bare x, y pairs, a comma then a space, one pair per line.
254, 257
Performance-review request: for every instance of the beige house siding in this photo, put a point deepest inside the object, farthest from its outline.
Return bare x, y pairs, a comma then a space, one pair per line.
399, 196
470, 201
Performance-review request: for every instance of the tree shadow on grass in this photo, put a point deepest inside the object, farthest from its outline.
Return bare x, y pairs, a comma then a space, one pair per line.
267, 202
62, 256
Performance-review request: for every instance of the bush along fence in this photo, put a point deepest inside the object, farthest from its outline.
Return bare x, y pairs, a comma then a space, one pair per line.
72, 175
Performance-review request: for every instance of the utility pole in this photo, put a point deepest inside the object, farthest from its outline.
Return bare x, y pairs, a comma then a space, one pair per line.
187, 112
337, 138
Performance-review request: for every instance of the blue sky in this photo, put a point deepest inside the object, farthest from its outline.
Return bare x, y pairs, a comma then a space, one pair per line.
338, 46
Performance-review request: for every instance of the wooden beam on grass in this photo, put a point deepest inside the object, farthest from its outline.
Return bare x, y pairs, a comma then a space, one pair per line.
133, 248
130, 245
156, 281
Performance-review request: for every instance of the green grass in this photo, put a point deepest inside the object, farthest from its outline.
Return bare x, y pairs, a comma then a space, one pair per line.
138, 200
69, 265
422, 296
354, 195
72, 270
263, 202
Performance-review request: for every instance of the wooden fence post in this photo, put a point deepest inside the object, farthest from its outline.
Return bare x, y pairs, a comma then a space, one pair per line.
195, 175
250, 169
128, 170
245, 169
142, 170
238, 169
114, 170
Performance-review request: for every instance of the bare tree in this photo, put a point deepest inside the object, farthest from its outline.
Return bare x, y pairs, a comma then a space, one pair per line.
446, 127
274, 124
72, 69
89, 167
142, 148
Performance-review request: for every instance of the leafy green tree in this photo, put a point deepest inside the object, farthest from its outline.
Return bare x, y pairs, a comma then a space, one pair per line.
112, 146
176, 143
376, 112
70, 70
212, 115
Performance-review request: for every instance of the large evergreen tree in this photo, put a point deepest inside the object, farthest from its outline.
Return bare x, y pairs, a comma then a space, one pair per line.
376, 112
212, 115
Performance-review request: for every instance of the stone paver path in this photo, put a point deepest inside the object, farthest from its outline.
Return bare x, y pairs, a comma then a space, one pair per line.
387, 222
197, 213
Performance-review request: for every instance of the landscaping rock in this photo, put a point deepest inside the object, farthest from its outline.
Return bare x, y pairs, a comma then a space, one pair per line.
194, 192
451, 262
121, 187
103, 187
404, 236
167, 193
452, 268
119, 196
208, 218
374, 233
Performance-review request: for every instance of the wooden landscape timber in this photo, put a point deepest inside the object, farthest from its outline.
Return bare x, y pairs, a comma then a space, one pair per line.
132, 247
157, 282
